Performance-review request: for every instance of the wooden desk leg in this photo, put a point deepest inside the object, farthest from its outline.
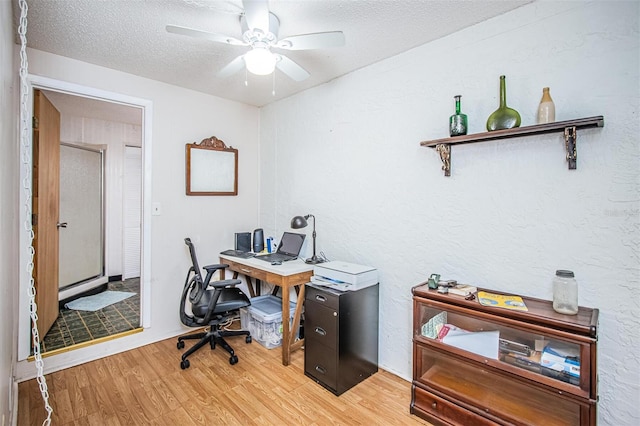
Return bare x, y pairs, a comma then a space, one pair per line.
296, 319
249, 284
286, 335
289, 343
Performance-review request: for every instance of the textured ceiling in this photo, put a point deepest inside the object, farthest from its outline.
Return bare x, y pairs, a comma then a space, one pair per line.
130, 36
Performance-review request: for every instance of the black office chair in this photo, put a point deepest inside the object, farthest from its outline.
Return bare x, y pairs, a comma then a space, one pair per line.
213, 303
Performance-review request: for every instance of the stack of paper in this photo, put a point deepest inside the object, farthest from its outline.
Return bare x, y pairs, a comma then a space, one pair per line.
484, 343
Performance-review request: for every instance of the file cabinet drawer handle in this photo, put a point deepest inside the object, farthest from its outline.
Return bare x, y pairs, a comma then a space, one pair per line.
320, 298
321, 370
320, 331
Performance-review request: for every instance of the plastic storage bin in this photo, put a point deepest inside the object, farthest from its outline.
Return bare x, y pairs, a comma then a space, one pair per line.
263, 319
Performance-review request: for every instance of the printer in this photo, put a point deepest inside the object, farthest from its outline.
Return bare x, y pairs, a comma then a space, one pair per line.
344, 276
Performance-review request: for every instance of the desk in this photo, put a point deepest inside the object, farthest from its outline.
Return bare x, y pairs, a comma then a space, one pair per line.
294, 273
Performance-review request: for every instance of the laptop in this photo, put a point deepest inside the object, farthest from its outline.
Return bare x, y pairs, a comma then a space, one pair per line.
243, 246
288, 249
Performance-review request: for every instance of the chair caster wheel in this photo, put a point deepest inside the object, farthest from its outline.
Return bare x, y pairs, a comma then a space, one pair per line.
233, 359
180, 344
184, 364
248, 339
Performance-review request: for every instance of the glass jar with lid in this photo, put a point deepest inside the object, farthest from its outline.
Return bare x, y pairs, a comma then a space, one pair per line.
565, 292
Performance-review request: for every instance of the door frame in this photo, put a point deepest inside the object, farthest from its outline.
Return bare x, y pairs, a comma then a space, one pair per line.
45, 83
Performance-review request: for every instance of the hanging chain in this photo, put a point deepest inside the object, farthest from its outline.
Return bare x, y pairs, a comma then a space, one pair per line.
25, 127
273, 87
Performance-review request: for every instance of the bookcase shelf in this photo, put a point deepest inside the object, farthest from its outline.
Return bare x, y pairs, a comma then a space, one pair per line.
568, 127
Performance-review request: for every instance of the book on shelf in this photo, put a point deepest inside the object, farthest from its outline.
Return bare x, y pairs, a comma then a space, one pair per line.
462, 290
531, 362
444, 329
502, 301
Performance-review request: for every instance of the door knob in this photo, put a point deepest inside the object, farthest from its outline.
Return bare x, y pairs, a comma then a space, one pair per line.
61, 225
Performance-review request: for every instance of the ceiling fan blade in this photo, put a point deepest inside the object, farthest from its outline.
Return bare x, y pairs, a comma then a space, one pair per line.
291, 69
256, 12
312, 41
220, 38
232, 67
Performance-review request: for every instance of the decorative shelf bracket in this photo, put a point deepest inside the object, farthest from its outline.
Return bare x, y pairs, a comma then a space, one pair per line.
445, 155
569, 127
570, 139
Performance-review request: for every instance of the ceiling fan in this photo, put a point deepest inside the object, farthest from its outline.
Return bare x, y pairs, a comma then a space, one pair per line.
260, 32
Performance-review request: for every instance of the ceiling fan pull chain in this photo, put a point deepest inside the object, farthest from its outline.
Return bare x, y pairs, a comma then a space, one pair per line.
273, 86
246, 77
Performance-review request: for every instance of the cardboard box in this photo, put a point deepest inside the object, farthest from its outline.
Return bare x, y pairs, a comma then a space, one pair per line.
562, 359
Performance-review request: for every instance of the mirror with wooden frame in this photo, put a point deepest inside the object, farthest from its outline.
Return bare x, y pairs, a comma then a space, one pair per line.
212, 168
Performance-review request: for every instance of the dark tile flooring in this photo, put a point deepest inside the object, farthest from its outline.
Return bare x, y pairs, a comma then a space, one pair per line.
75, 327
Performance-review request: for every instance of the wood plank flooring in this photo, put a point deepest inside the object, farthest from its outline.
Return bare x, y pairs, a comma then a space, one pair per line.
146, 386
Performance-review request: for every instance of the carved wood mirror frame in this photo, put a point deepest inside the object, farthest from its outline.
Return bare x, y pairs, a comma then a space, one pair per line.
211, 168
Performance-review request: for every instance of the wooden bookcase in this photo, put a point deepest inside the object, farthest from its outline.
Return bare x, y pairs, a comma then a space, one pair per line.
454, 386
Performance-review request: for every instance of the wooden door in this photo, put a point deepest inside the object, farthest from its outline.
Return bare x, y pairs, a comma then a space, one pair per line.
46, 205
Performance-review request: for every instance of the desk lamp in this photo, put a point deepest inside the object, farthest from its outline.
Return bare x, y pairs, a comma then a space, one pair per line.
300, 222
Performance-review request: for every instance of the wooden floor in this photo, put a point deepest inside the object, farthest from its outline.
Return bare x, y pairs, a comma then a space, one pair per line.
146, 386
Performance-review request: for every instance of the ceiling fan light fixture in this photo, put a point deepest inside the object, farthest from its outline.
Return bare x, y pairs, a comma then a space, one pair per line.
260, 33
260, 61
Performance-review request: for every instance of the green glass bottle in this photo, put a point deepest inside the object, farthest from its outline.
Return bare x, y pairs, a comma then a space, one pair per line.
504, 117
458, 121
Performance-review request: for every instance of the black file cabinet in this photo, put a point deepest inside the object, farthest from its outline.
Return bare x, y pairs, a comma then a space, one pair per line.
341, 336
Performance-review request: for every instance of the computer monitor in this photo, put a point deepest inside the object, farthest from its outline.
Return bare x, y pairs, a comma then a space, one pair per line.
243, 241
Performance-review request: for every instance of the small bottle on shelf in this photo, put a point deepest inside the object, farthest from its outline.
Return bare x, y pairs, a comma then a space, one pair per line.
546, 109
458, 121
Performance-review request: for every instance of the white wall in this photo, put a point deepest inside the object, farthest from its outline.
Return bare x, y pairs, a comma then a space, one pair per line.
511, 213
180, 116
9, 185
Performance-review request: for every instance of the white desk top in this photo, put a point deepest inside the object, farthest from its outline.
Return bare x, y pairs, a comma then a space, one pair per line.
291, 267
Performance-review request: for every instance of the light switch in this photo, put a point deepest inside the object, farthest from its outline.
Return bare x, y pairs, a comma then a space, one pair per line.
155, 209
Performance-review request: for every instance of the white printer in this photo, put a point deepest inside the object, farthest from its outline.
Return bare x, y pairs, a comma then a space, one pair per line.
344, 276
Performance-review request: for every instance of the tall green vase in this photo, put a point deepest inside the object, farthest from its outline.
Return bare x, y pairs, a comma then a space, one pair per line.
504, 117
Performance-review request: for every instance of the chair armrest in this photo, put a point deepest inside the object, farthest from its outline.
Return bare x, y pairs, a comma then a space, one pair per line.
213, 268
225, 283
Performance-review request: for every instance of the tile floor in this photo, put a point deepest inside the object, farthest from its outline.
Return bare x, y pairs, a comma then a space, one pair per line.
74, 327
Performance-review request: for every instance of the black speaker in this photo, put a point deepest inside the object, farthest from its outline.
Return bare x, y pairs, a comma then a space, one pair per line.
258, 240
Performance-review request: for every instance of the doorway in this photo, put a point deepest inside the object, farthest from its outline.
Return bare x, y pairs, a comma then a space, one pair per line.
86, 311
82, 95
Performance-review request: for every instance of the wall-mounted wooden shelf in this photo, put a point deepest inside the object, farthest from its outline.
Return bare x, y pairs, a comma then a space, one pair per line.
569, 127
